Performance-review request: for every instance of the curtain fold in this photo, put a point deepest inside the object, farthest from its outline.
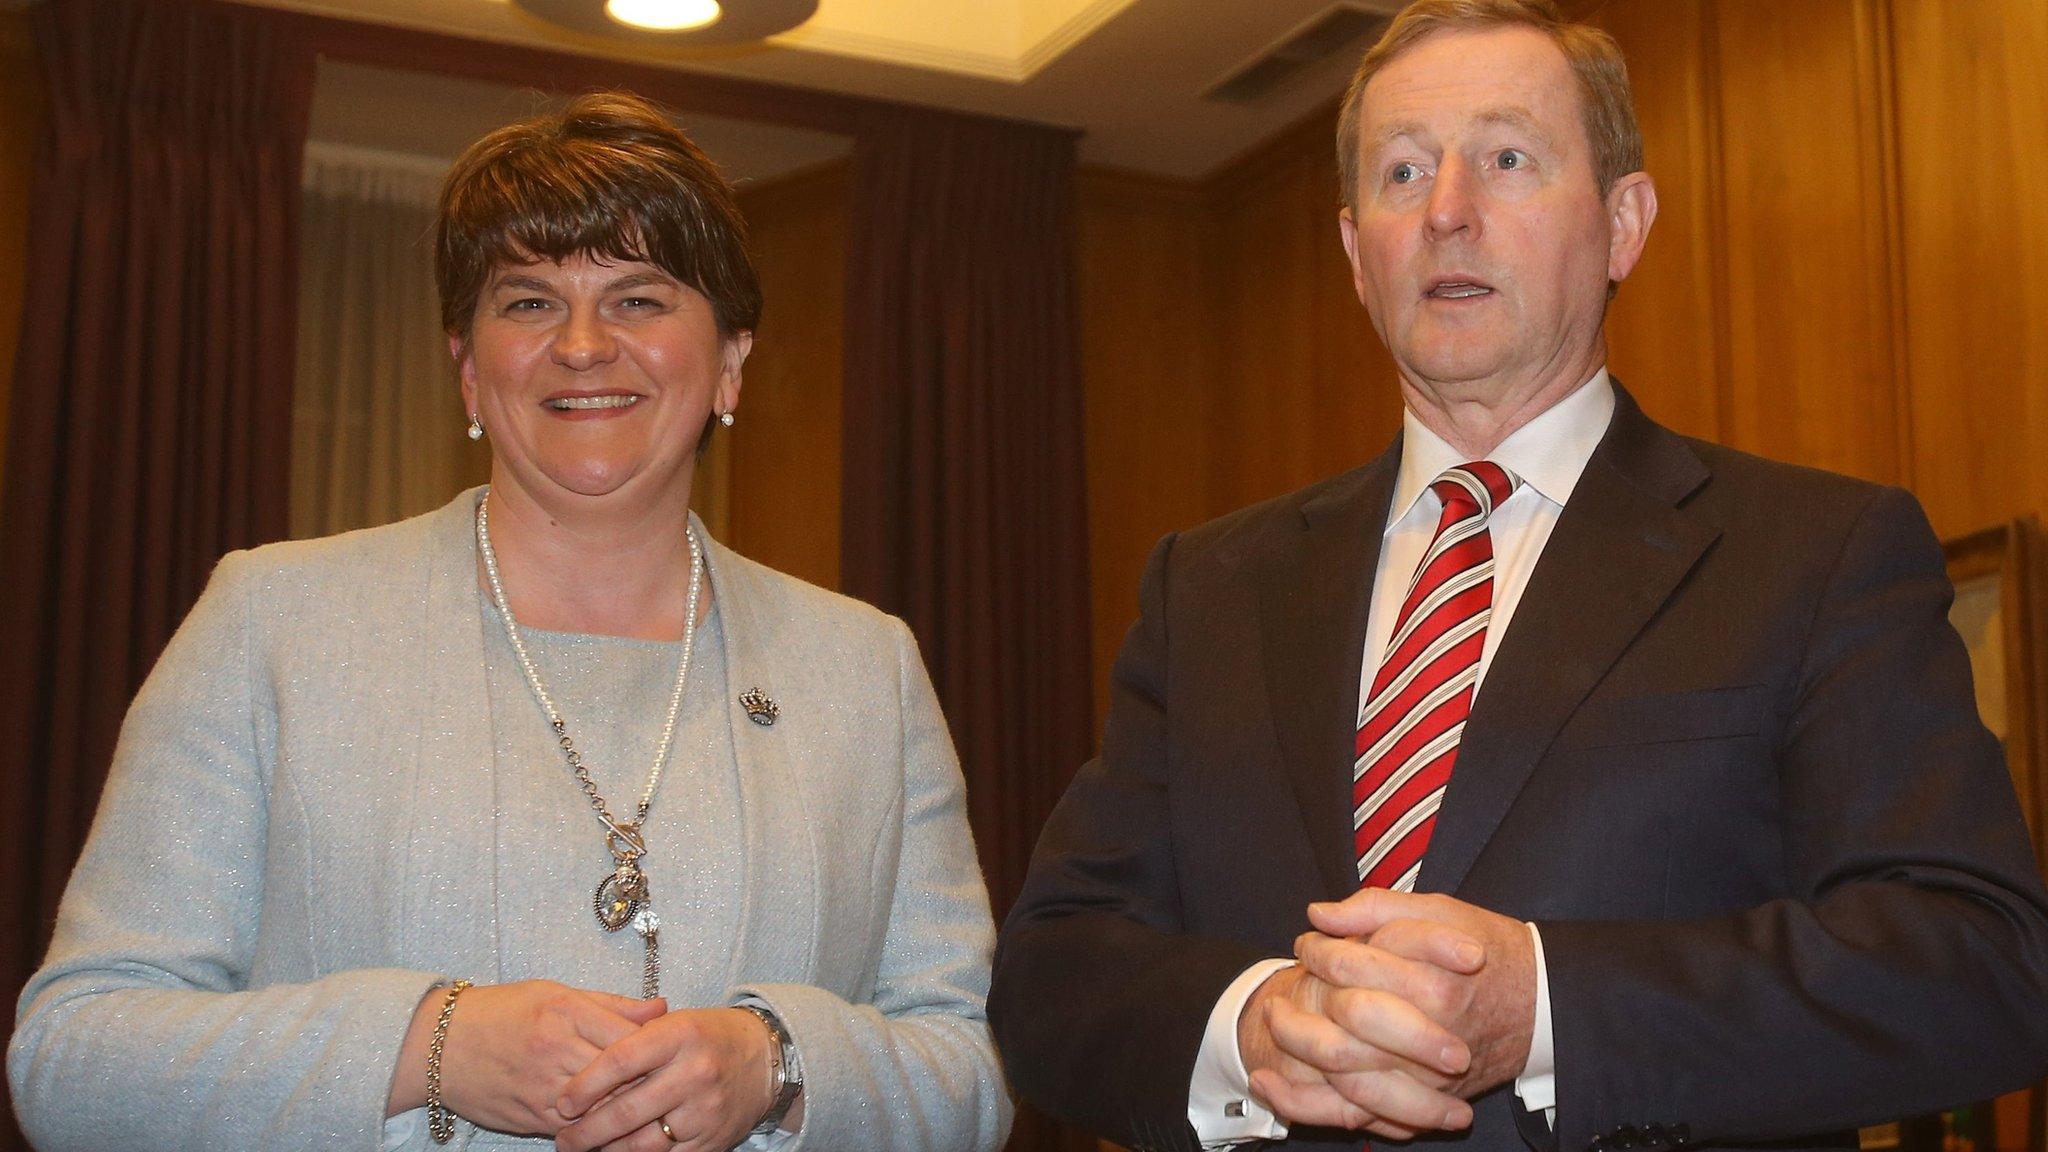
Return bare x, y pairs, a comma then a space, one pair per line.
963, 507
377, 420
150, 419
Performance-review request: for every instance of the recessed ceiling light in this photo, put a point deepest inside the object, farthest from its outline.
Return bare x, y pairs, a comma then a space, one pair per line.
663, 15
683, 24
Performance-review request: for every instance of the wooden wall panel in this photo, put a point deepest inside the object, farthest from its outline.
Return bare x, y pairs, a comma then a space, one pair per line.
1810, 354
1663, 329
783, 458
1973, 129
1144, 276
1308, 390
21, 109
1224, 354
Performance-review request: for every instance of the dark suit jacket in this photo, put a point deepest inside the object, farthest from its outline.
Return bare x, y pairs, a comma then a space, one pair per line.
1726, 757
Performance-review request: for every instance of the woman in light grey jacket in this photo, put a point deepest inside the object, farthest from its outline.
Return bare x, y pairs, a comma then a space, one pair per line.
543, 816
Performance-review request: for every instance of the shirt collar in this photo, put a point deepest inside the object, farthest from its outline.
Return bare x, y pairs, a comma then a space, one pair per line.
1549, 453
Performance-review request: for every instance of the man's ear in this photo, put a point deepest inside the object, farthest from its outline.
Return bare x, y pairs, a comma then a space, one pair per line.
1631, 209
1347, 231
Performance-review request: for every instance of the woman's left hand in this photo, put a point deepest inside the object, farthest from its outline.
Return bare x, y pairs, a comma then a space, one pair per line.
706, 1072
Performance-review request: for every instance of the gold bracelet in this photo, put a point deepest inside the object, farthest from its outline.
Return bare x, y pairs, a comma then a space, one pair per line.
441, 1122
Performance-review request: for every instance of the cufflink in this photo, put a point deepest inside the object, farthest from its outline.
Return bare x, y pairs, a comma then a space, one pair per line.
1234, 1109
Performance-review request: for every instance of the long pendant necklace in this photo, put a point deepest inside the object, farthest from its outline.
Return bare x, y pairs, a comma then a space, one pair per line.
622, 897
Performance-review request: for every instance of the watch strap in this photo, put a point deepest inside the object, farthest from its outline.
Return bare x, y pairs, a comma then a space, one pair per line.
789, 1078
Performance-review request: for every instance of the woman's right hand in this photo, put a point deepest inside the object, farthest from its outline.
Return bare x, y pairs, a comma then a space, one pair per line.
511, 1048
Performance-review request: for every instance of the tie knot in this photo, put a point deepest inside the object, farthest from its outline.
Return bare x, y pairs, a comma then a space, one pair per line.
1479, 486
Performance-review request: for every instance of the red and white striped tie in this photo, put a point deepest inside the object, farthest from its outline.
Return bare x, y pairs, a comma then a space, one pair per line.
1414, 714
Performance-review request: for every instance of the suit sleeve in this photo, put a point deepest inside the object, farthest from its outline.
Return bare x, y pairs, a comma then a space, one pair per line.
142, 1030
1100, 996
1905, 970
913, 1069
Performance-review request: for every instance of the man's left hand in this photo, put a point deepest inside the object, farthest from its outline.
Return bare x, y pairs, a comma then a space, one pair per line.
1493, 1009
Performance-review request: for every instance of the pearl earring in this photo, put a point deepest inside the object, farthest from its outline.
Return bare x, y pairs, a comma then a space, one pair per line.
476, 427
725, 418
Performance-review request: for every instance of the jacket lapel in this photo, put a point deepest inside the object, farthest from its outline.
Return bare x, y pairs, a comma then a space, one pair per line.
1620, 548
452, 850
778, 870
1315, 592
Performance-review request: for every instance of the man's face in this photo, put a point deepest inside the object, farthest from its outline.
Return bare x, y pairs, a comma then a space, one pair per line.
1480, 243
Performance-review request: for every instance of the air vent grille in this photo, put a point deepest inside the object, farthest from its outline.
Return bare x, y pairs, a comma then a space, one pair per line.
1337, 28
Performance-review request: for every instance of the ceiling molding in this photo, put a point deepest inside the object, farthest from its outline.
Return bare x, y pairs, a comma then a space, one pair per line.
911, 53
1072, 31
816, 37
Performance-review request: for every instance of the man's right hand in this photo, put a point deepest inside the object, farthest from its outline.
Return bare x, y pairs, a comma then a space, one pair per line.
1361, 1057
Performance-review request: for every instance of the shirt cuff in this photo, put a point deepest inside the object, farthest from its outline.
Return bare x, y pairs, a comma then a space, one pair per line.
400, 1129
1220, 1104
1537, 1085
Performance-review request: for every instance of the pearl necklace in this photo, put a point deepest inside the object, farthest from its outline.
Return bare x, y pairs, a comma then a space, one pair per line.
622, 896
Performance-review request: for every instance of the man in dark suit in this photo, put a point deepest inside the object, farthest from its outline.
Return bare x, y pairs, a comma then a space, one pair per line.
1552, 778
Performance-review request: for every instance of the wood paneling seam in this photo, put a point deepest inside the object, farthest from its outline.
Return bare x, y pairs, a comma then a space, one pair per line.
1878, 101
1718, 295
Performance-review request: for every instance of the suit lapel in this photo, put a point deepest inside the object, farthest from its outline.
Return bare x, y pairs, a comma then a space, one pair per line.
1620, 548
455, 804
1315, 592
779, 867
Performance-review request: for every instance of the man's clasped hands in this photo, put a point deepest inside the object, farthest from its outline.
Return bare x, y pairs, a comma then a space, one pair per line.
1402, 1007
595, 1070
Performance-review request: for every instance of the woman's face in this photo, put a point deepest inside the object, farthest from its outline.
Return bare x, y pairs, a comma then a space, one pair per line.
594, 377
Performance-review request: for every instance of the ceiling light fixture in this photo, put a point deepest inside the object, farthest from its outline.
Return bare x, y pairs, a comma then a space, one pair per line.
663, 15
674, 23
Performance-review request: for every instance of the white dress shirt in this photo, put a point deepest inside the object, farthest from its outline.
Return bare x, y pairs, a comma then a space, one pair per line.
1548, 454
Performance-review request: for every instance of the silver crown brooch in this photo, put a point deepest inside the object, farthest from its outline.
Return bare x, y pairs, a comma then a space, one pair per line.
761, 707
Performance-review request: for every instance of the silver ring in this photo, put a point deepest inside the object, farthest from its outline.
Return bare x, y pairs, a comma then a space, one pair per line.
668, 1131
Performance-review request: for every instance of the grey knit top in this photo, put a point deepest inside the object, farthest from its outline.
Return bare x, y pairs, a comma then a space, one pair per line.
613, 694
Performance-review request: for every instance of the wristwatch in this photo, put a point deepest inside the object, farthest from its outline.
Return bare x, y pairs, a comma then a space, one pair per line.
789, 1072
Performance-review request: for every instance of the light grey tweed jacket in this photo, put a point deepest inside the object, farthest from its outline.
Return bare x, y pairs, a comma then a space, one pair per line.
298, 839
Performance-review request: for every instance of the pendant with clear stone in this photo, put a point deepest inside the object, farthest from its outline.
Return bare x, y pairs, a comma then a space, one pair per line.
620, 896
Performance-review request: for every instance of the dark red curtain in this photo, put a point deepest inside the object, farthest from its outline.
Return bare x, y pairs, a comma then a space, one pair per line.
150, 417
963, 500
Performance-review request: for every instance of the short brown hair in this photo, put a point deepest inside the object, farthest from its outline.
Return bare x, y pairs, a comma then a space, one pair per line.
609, 176
1606, 108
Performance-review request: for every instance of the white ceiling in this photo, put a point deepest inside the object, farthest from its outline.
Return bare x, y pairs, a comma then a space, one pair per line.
1128, 73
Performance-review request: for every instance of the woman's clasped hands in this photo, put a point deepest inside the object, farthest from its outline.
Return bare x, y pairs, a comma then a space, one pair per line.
705, 1072
595, 1070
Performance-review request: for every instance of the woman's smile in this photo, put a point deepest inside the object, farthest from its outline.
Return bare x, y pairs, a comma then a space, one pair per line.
590, 405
